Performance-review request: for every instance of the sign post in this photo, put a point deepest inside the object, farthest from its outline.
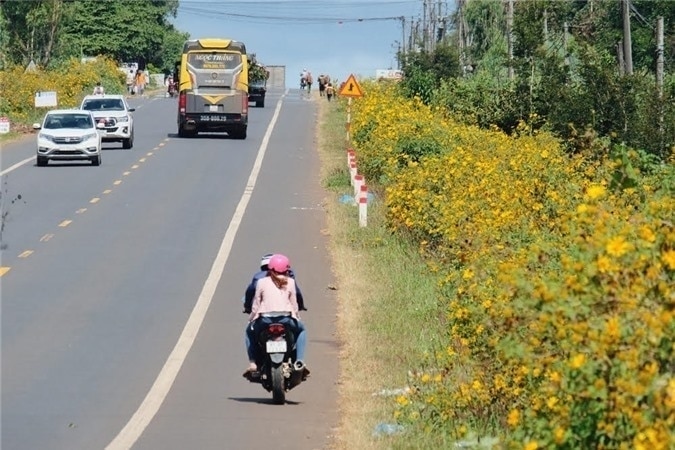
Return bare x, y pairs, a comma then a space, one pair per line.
4, 125
350, 89
46, 99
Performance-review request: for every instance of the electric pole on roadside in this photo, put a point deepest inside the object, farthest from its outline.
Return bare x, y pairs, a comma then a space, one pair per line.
509, 31
627, 45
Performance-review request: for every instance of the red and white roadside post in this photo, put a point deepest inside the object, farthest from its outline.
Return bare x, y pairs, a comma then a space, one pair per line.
358, 182
362, 200
352, 172
351, 156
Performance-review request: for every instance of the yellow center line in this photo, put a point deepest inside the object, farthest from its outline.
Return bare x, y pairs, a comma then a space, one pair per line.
46, 237
94, 200
142, 160
117, 182
81, 211
107, 191
126, 173
65, 223
25, 254
4, 270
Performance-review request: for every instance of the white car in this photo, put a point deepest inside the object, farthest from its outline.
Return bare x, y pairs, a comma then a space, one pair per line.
114, 113
68, 135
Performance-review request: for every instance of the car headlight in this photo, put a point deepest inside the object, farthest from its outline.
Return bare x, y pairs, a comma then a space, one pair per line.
86, 137
123, 119
45, 136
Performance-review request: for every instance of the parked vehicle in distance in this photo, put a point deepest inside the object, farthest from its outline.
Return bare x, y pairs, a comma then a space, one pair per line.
68, 135
256, 92
114, 113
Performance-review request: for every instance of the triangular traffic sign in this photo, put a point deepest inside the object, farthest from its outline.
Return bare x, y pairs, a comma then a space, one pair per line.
350, 88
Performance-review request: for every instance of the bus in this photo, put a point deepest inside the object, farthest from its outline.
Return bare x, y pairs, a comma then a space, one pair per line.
213, 88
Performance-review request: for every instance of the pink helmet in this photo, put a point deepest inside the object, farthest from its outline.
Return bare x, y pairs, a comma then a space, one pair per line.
279, 263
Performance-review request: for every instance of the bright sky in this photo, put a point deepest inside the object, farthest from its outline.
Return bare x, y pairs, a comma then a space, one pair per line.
322, 36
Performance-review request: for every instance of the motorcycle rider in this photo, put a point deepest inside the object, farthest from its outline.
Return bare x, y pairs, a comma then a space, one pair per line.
275, 293
170, 85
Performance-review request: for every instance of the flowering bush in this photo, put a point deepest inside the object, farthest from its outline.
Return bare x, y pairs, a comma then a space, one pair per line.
71, 81
558, 280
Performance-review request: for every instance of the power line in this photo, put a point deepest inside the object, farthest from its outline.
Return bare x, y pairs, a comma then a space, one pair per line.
287, 19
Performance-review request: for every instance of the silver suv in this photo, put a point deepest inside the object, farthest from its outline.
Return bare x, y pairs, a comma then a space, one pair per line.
114, 113
68, 135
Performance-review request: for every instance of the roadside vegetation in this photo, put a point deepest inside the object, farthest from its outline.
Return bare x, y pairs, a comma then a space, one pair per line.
512, 291
530, 218
43, 44
71, 80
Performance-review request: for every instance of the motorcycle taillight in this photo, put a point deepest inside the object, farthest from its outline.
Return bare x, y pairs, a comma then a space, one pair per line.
276, 329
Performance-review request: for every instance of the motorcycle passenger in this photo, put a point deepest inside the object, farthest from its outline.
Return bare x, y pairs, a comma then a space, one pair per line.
250, 290
98, 89
275, 293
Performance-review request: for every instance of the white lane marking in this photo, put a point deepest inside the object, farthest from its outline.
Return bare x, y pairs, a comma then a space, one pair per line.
17, 165
160, 388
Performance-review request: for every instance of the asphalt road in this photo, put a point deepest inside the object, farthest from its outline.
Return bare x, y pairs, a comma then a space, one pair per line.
121, 287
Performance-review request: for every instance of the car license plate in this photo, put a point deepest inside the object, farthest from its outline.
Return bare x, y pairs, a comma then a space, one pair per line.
213, 108
212, 118
276, 346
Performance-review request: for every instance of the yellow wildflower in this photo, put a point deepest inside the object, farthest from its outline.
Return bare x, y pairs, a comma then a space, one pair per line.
514, 418
668, 257
647, 234
577, 361
618, 246
604, 264
596, 191
531, 445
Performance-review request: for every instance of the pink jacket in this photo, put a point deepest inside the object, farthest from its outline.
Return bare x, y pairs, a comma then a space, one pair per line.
269, 298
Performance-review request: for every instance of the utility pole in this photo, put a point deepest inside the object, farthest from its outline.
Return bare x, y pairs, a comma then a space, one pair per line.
659, 55
460, 30
402, 18
627, 45
509, 28
425, 31
659, 77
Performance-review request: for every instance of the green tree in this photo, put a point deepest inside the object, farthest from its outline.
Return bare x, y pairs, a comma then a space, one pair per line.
32, 29
125, 30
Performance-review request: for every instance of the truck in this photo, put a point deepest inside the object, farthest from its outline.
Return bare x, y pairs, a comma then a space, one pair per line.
257, 86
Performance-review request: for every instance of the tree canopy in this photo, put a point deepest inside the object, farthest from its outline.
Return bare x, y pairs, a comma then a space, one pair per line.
127, 30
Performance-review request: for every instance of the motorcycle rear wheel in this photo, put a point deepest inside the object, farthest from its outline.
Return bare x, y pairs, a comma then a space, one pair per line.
278, 391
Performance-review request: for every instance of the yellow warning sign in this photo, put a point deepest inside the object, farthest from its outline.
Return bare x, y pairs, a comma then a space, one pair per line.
350, 88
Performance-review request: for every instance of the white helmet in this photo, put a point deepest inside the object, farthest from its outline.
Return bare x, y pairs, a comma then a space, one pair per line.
265, 260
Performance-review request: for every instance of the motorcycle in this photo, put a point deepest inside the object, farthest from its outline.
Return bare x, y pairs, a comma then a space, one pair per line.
172, 89
278, 369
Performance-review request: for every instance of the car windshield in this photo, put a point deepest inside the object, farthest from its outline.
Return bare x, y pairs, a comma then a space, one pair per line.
56, 121
103, 104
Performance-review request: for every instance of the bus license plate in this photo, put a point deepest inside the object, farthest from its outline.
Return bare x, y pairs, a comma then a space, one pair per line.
212, 118
276, 346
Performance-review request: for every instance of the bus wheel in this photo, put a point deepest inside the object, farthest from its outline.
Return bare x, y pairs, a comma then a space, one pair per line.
182, 133
239, 133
